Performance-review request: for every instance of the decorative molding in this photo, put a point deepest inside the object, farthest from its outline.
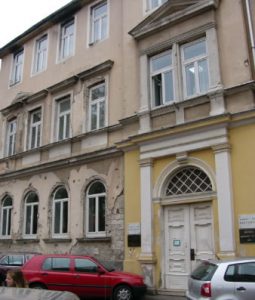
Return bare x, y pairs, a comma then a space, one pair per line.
63, 84
224, 147
57, 240
107, 239
94, 71
145, 162
196, 32
182, 158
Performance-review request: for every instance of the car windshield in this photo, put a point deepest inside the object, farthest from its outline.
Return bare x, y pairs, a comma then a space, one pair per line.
204, 271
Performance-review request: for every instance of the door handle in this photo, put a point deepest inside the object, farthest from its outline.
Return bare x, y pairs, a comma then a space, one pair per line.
192, 254
44, 274
241, 288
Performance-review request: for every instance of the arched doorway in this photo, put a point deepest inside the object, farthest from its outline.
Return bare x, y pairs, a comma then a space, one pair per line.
188, 224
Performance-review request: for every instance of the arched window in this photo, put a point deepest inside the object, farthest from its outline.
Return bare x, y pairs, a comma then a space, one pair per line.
60, 212
96, 210
31, 214
188, 181
6, 217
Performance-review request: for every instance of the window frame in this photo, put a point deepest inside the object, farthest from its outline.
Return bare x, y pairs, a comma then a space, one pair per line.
92, 38
96, 233
97, 102
17, 67
32, 205
194, 60
8, 226
66, 39
62, 201
11, 137
38, 127
66, 115
40, 55
162, 71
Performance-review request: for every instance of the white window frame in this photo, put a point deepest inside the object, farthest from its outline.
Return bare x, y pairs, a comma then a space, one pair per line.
40, 54
97, 103
62, 201
32, 205
11, 137
65, 115
162, 71
8, 210
17, 67
67, 40
149, 4
100, 18
37, 126
95, 233
195, 60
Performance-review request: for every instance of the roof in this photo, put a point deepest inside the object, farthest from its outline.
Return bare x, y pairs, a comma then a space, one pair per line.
54, 18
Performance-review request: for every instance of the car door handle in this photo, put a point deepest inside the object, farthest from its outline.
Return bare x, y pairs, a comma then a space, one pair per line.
241, 288
77, 276
44, 274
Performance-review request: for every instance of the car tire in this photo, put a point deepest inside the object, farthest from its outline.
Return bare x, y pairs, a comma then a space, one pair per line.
123, 292
38, 286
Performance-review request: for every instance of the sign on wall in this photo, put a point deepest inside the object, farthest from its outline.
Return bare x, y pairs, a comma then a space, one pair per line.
134, 235
247, 229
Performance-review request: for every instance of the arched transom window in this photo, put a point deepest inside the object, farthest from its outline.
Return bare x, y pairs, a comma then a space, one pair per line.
188, 181
95, 225
60, 212
31, 214
6, 216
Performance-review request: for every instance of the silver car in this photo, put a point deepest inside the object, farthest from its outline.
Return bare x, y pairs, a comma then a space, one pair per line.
11, 293
223, 280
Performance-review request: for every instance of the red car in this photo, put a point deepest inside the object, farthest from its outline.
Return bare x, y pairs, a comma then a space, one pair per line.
82, 275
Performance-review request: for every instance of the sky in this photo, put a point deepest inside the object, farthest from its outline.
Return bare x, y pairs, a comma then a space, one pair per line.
16, 16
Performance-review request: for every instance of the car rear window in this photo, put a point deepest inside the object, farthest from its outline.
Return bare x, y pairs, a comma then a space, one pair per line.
204, 271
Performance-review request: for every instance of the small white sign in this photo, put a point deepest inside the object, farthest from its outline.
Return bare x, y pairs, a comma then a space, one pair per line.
246, 221
134, 228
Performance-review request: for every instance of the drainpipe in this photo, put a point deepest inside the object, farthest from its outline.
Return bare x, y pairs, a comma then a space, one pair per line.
250, 27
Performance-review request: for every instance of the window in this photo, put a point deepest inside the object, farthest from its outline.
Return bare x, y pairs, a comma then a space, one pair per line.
63, 118
187, 181
67, 40
12, 260
40, 54
195, 68
60, 212
85, 265
96, 210
241, 272
99, 22
11, 137
6, 216
31, 214
151, 4
56, 264
17, 67
35, 120
97, 106
162, 79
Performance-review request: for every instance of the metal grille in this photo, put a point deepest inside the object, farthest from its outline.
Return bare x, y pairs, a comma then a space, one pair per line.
187, 181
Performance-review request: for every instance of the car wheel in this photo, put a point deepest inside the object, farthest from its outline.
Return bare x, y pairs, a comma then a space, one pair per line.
38, 286
123, 292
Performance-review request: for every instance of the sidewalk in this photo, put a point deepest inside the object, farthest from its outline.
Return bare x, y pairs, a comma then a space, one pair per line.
163, 297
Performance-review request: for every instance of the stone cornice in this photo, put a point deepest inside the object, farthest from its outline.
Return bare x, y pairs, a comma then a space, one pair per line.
160, 19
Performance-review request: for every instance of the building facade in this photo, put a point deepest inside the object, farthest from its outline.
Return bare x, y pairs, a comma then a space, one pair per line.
127, 132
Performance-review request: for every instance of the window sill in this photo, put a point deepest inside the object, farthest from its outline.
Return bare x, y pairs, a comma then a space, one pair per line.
28, 240
57, 240
94, 239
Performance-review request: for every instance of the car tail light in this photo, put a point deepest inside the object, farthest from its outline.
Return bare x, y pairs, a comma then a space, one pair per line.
206, 290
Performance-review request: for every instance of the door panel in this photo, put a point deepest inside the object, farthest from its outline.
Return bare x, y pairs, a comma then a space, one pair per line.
188, 239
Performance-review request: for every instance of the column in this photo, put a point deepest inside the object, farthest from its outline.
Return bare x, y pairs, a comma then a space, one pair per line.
147, 259
225, 199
